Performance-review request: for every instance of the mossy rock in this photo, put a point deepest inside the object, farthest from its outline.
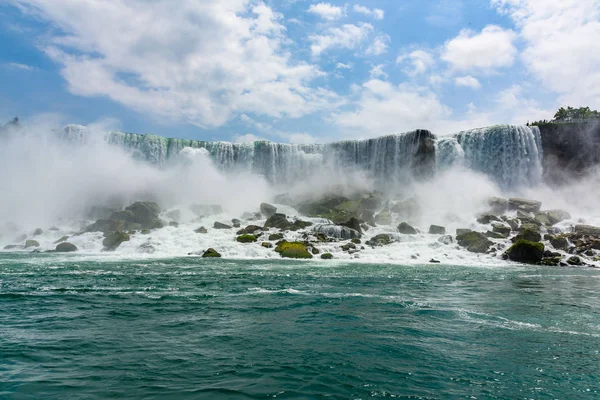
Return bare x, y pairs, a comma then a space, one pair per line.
278, 221
211, 253
406, 229
542, 219
356, 241
587, 230
62, 239
437, 230
246, 238
558, 242
382, 239
250, 229
349, 246
551, 261
352, 223
299, 224
31, 243
315, 251
487, 219
276, 236
65, 247
526, 251
475, 242
501, 229
267, 245
528, 234
293, 250
113, 240
326, 256
574, 260
145, 231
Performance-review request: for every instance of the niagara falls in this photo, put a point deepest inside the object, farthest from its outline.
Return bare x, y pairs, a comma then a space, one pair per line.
240, 199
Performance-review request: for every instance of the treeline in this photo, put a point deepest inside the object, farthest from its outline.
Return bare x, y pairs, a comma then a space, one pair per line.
570, 114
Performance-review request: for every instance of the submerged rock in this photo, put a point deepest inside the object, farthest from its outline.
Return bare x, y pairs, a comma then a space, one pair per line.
526, 251
475, 242
293, 250
267, 209
446, 239
267, 245
146, 248
406, 229
65, 247
211, 253
113, 240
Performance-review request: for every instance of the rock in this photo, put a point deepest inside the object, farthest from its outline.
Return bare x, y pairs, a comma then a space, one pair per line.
485, 219
174, 224
113, 240
278, 221
462, 231
352, 223
513, 223
62, 239
106, 225
204, 210
276, 236
541, 218
502, 229
437, 230
145, 231
326, 256
495, 235
146, 248
383, 218
219, 225
199, 230
145, 213
250, 229
356, 241
175, 215
551, 261
337, 231
267, 245
349, 246
293, 250
236, 223
497, 205
267, 209
406, 229
369, 217
475, 242
434, 261
371, 201
587, 230
557, 216
246, 238
31, 243
65, 247
446, 239
574, 261
211, 253
524, 205
12, 246
321, 207
558, 242
38, 232
528, 234
315, 251
526, 251
379, 240
299, 224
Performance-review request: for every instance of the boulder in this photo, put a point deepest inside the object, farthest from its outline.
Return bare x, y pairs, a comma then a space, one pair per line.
460, 231
236, 223
528, 234
502, 229
437, 230
299, 224
250, 229
384, 217
524, 205
246, 238
574, 260
587, 230
219, 225
371, 201
267, 209
293, 250
326, 256
558, 242
145, 213
201, 230
278, 221
352, 223
369, 217
65, 247
31, 243
321, 207
211, 253
38, 232
557, 216
434, 261
497, 205
62, 239
495, 235
475, 242
114, 239
276, 236
348, 247
382, 239
485, 219
541, 218
267, 245
406, 229
146, 248
526, 251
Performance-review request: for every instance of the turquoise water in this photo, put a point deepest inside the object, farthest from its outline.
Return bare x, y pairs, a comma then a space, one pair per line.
218, 329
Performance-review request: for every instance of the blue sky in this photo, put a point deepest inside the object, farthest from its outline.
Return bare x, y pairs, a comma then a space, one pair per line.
296, 70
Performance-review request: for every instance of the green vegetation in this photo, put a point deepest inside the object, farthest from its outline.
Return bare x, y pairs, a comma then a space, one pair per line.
570, 114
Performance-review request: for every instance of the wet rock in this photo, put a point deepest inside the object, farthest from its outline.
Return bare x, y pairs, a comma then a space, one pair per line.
220, 225
174, 224
246, 238
145, 213
337, 231
557, 216
276, 236
502, 229
446, 239
406, 229
321, 207
526, 251
299, 224
574, 261
524, 205
485, 219
460, 231
12, 247
356, 241
31, 243
200, 230
349, 246
236, 223
383, 218
437, 230
368, 217
267, 209
326, 256
65, 247
106, 225
475, 242
551, 261
62, 239
315, 251
267, 245
114, 239
382, 239
558, 242
250, 229
528, 234
434, 261
211, 253
146, 248
542, 219
587, 230
293, 250
495, 235
352, 223
278, 221
497, 205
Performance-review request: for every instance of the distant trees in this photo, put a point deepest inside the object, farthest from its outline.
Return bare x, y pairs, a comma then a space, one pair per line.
571, 114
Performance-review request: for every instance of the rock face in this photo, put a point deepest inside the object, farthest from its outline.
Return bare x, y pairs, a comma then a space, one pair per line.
211, 253
138, 216
113, 240
526, 252
406, 229
293, 250
475, 242
267, 209
65, 247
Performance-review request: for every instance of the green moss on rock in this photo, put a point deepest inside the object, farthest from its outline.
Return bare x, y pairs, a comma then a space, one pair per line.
526, 251
246, 238
475, 242
293, 250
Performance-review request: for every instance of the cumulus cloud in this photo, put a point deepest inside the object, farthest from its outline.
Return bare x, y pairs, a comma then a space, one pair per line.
326, 11
467, 81
379, 46
486, 51
376, 13
562, 48
200, 62
348, 36
419, 61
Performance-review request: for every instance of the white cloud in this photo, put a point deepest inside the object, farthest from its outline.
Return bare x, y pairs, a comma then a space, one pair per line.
562, 48
247, 138
347, 36
343, 66
20, 66
420, 61
379, 46
486, 51
376, 13
378, 72
467, 81
200, 62
326, 11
